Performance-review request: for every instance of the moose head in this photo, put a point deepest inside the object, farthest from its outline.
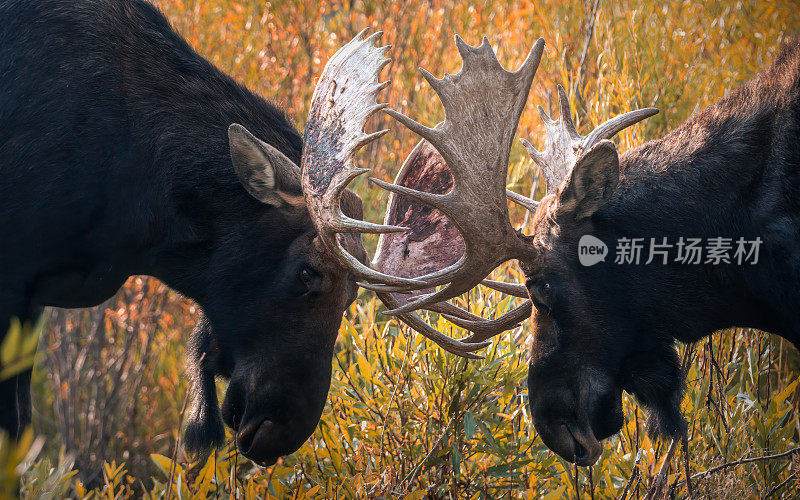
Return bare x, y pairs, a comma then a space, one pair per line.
574, 389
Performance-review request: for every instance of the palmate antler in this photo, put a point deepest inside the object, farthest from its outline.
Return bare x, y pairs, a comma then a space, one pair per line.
482, 105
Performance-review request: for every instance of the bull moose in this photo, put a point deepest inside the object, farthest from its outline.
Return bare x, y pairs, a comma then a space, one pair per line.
123, 152
729, 175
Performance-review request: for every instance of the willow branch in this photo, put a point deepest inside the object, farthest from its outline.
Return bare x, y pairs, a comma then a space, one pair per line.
742, 461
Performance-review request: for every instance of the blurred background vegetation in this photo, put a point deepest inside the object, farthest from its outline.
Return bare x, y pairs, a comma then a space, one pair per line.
404, 418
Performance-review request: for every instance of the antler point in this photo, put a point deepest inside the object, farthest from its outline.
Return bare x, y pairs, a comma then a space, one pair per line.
544, 116
360, 36
373, 38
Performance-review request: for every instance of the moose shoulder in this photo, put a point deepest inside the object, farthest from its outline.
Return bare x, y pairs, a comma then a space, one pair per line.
728, 177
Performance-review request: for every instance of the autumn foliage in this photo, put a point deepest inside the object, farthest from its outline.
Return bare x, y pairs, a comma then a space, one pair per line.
406, 419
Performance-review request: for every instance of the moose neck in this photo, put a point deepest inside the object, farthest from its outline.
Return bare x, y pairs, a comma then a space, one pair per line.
182, 117
730, 171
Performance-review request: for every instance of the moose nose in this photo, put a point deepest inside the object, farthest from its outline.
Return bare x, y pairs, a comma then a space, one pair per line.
586, 449
580, 453
258, 441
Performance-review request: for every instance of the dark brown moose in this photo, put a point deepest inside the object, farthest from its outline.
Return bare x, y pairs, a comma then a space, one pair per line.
729, 176
731, 173
123, 152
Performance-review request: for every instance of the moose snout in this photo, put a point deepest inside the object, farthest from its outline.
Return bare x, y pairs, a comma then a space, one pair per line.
273, 407
586, 448
260, 441
264, 441
572, 442
272, 425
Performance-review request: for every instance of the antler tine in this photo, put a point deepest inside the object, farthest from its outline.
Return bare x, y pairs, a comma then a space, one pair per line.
449, 291
612, 126
462, 46
486, 329
466, 50
524, 201
421, 130
565, 113
429, 280
563, 143
535, 155
514, 289
453, 310
527, 69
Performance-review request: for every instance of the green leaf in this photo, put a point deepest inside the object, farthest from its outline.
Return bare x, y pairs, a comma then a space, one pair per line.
469, 425
555, 494
163, 463
489, 438
785, 393
18, 349
455, 458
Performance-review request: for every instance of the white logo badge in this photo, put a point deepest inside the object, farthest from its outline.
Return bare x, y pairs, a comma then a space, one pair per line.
591, 250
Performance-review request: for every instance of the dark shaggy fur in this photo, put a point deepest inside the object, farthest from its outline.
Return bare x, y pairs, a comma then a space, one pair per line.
731, 170
114, 161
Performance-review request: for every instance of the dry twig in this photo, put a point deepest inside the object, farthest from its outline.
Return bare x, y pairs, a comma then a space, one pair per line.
634, 475
741, 461
661, 478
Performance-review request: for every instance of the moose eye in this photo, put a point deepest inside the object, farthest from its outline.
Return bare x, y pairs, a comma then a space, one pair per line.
309, 281
540, 293
544, 291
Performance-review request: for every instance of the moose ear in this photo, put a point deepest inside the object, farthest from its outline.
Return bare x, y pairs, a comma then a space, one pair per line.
266, 173
590, 183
